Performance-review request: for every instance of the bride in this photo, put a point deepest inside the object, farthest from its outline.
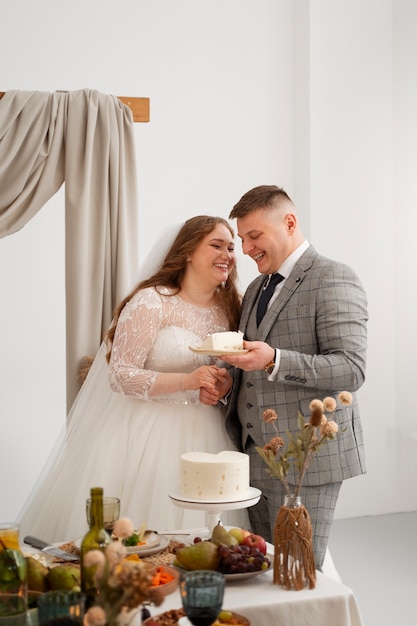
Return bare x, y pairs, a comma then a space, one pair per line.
139, 408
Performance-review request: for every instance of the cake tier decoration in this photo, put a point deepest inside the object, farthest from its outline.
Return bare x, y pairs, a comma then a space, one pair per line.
214, 477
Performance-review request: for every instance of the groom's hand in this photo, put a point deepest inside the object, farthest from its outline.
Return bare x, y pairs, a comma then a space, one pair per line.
259, 354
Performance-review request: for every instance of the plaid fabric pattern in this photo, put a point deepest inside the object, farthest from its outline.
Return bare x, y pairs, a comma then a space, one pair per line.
318, 322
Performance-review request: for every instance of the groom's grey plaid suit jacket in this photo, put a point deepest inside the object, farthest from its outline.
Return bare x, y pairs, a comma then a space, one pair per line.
318, 321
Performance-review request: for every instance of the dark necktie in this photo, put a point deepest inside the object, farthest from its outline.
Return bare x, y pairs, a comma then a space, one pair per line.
267, 291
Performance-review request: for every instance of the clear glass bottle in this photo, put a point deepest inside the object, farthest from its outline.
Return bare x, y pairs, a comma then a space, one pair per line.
96, 539
13, 578
291, 501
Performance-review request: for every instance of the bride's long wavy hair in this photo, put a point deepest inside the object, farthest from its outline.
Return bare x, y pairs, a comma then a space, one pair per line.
172, 272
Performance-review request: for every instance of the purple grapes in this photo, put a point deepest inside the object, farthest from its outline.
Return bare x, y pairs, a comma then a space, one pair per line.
242, 560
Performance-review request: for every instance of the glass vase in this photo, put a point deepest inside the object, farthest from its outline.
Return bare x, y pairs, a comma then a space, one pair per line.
13, 578
294, 564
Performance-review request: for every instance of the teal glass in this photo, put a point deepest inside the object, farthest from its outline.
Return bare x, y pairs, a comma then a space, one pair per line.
202, 594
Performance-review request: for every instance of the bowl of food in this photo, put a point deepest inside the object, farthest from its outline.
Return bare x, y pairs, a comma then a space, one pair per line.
165, 578
177, 617
230, 617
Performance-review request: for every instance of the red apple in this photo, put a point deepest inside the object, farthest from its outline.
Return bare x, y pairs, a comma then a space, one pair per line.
255, 541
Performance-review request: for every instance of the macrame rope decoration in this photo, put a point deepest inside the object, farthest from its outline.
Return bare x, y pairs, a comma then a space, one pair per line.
294, 565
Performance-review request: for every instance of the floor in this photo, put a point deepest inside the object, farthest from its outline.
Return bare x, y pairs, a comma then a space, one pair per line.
377, 558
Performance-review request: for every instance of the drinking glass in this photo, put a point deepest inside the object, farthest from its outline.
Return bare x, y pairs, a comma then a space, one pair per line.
111, 512
61, 608
13, 577
202, 596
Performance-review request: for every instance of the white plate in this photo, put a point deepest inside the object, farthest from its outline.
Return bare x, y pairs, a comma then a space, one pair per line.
239, 575
148, 549
250, 495
246, 575
153, 544
217, 352
150, 542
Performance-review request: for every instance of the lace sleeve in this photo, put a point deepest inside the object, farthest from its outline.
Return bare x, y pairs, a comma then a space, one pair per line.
135, 334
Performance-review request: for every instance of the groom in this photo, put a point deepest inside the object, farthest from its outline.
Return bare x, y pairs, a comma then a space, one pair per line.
306, 340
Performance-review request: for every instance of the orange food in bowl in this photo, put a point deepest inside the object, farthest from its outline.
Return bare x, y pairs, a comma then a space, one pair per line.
165, 579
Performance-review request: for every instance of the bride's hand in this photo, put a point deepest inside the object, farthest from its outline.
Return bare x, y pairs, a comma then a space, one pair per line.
207, 397
204, 376
223, 386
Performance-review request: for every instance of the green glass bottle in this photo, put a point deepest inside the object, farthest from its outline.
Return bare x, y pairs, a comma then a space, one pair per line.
96, 539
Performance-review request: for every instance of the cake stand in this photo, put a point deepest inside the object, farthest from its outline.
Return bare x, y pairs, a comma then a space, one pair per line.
213, 508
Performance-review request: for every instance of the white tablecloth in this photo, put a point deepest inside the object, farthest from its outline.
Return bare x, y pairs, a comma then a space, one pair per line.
264, 604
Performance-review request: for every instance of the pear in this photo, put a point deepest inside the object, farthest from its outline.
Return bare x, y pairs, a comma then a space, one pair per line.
64, 577
37, 574
221, 537
201, 555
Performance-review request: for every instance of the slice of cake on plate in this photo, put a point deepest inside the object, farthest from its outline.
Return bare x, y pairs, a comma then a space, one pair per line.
228, 341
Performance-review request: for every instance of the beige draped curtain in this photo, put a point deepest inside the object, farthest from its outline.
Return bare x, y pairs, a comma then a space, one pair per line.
85, 139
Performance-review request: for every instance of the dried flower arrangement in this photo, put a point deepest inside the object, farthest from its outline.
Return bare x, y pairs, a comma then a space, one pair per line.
303, 444
294, 565
122, 585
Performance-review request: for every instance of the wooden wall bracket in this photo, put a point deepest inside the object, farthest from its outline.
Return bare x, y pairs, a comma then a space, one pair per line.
140, 107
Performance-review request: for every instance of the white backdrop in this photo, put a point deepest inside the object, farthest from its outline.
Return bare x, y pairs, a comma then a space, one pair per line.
316, 96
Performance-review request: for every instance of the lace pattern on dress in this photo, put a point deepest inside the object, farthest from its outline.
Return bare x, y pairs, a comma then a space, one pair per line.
153, 334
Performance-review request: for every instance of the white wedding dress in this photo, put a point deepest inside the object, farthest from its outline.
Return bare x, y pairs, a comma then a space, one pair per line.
121, 439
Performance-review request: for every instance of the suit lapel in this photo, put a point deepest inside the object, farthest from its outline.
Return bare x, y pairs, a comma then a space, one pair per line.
292, 283
250, 299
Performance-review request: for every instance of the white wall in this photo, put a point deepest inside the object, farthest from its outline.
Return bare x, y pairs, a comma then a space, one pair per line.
351, 200
243, 92
362, 202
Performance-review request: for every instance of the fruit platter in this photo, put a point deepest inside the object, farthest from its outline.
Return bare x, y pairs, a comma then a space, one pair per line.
236, 553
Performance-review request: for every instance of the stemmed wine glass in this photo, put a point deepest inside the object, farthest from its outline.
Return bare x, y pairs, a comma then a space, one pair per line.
111, 512
202, 596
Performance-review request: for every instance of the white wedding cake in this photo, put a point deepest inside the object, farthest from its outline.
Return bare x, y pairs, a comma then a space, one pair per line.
227, 341
214, 477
